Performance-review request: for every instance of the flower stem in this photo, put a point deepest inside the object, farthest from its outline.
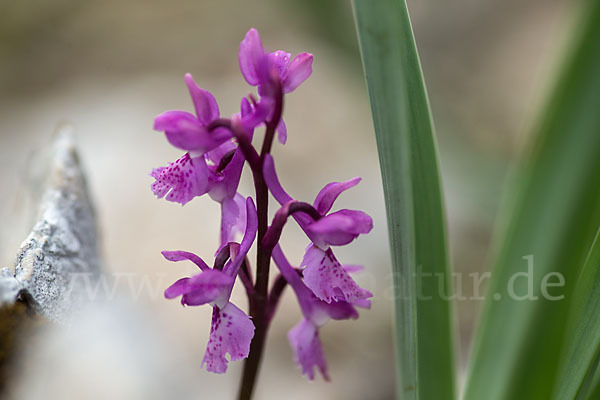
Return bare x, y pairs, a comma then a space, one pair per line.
263, 257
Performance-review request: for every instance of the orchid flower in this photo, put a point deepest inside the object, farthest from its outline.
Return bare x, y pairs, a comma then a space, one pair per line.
322, 272
231, 329
268, 71
304, 337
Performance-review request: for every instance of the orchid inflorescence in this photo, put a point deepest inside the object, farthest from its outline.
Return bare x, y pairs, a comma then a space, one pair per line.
216, 151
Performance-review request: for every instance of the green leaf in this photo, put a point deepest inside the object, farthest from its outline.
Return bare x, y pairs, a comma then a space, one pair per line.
590, 388
583, 335
411, 182
552, 215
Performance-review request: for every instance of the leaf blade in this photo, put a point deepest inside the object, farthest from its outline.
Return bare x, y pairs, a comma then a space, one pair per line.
581, 351
409, 166
554, 215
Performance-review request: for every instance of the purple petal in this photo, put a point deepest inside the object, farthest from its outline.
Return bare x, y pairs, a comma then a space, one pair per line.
218, 152
177, 289
327, 279
362, 303
257, 114
273, 182
352, 269
246, 107
212, 286
331, 191
293, 279
250, 56
281, 132
185, 132
231, 332
308, 351
207, 109
279, 61
277, 191
185, 255
225, 184
339, 228
338, 310
233, 266
175, 120
298, 71
233, 218
183, 179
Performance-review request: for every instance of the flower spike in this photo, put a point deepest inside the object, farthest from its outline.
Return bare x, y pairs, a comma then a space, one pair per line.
216, 149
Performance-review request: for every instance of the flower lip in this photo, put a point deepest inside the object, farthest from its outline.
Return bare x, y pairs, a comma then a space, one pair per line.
308, 351
327, 279
231, 332
181, 180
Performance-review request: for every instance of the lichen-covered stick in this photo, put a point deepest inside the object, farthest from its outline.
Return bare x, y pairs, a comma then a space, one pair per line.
216, 151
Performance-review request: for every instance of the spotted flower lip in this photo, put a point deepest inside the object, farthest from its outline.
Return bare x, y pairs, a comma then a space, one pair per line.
181, 180
327, 279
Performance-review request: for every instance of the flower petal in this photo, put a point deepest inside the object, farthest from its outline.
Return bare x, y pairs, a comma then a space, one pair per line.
231, 332
212, 286
278, 192
338, 310
279, 61
175, 120
185, 132
297, 72
352, 268
308, 351
232, 267
281, 132
185, 255
327, 279
249, 55
218, 152
177, 289
273, 182
339, 228
233, 218
327, 196
183, 179
207, 109
245, 107
227, 181
257, 114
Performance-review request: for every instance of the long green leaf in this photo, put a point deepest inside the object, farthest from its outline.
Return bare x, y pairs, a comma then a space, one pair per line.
552, 217
583, 335
590, 388
408, 157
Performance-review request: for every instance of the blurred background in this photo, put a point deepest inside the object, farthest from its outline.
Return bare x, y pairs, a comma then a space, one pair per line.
108, 67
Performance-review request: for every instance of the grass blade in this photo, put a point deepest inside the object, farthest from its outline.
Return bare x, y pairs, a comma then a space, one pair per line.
409, 166
553, 217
